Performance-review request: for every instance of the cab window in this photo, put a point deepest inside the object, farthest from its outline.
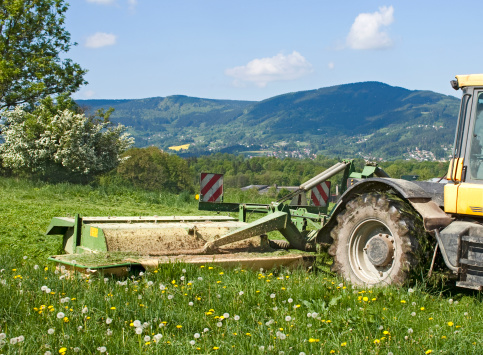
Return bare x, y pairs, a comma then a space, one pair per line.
476, 145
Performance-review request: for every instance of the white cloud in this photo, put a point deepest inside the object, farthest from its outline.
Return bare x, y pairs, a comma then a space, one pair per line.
100, 39
366, 31
103, 2
264, 70
132, 4
86, 94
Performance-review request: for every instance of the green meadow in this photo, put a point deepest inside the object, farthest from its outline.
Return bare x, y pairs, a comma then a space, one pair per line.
186, 309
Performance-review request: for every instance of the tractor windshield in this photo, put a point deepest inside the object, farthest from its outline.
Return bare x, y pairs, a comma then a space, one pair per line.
476, 150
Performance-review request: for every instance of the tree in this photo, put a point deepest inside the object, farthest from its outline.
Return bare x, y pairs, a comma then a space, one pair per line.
57, 142
32, 40
152, 169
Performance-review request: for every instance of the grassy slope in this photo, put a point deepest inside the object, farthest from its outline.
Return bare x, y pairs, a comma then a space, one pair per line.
26, 210
273, 308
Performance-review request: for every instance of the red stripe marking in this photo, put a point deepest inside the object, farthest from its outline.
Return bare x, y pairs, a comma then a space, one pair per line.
315, 201
322, 192
210, 184
216, 194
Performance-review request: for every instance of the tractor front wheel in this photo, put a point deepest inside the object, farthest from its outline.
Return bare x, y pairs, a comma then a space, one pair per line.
377, 240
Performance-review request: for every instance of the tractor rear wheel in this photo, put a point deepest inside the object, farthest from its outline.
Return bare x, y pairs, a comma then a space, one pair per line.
378, 240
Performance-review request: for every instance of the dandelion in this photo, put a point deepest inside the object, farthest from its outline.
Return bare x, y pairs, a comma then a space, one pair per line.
60, 315
413, 314
51, 331
410, 330
196, 336
450, 301
288, 318
206, 330
410, 290
170, 297
158, 337
179, 326
136, 323
236, 317
219, 324
190, 304
309, 325
47, 353
226, 315
290, 300
192, 342
428, 351
102, 349
272, 295
241, 293
139, 331
275, 308
108, 320
450, 324
85, 310
147, 338
77, 349
109, 332
162, 287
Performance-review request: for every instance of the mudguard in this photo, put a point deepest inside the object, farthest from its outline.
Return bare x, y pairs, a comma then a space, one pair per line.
425, 197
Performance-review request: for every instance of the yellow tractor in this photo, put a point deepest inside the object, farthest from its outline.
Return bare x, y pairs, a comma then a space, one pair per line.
378, 230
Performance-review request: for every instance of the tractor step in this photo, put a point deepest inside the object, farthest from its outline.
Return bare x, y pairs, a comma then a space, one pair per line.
468, 262
471, 262
469, 285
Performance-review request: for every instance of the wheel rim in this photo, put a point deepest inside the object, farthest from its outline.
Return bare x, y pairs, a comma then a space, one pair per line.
371, 251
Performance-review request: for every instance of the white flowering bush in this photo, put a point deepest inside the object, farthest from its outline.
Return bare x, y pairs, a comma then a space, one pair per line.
46, 141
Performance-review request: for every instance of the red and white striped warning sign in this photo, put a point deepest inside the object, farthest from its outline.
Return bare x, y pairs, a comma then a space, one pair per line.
320, 194
211, 186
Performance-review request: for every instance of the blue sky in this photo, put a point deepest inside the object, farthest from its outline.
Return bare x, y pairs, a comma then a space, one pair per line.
253, 50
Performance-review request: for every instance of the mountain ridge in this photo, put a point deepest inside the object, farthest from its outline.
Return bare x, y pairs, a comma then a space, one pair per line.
371, 119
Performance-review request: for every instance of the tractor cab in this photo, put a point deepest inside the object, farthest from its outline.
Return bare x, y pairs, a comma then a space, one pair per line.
465, 194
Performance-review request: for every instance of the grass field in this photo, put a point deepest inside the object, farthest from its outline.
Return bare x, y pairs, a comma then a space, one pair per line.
179, 309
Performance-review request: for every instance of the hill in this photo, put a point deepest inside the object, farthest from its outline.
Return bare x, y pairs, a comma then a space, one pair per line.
370, 119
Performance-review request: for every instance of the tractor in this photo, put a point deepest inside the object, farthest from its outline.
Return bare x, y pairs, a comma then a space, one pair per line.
380, 229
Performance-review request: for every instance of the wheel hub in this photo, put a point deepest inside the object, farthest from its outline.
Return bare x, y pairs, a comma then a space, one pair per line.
380, 250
